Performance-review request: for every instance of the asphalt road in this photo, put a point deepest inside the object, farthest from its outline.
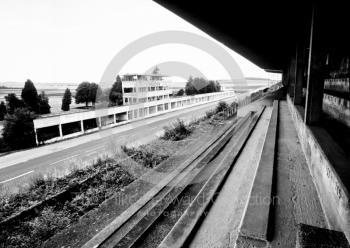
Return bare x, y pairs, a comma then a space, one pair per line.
19, 168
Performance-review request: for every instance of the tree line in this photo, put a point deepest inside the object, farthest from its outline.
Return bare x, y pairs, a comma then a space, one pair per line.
87, 93
199, 85
19, 114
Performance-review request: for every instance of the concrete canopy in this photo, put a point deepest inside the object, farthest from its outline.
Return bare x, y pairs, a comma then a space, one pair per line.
265, 32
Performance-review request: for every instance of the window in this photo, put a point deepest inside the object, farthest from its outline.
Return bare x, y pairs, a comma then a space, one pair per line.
128, 90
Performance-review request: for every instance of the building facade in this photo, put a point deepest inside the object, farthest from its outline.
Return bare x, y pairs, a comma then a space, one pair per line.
142, 88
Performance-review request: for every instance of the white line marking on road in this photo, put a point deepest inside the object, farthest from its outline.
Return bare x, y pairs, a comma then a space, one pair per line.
64, 159
8, 180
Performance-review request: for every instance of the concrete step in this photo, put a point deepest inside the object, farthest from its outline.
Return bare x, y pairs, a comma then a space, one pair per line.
138, 224
180, 235
125, 222
311, 236
256, 227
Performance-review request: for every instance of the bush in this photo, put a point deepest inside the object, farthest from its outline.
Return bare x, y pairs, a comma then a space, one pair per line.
177, 131
221, 107
145, 156
48, 223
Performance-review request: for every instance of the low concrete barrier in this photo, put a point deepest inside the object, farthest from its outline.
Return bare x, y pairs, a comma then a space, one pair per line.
256, 226
322, 161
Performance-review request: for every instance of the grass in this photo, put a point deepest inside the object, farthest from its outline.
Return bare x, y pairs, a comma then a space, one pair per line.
146, 155
33, 231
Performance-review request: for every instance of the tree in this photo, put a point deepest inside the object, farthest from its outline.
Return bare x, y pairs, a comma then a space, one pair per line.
18, 130
3, 110
209, 88
30, 96
95, 93
82, 94
201, 85
181, 92
13, 102
189, 88
116, 93
155, 70
66, 100
44, 106
218, 86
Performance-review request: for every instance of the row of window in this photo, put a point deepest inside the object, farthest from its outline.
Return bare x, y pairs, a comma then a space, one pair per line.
141, 77
144, 89
132, 100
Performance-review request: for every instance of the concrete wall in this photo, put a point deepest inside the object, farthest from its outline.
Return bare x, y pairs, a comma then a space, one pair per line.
336, 100
337, 107
337, 84
333, 194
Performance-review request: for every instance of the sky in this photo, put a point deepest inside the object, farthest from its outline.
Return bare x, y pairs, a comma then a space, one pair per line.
70, 41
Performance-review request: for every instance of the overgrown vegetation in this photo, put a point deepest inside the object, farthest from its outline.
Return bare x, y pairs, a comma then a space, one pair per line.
221, 112
145, 155
105, 179
177, 131
221, 107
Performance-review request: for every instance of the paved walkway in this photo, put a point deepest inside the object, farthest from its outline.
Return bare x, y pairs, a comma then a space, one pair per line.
298, 201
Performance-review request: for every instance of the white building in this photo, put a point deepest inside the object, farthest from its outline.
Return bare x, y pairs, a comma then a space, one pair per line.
142, 88
143, 96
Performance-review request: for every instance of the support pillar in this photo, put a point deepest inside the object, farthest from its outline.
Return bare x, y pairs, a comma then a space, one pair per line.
291, 77
36, 137
316, 72
99, 122
299, 75
60, 130
115, 118
82, 126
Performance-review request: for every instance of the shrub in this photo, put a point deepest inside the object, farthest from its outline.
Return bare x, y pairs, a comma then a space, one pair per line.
221, 107
145, 156
217, 118
177, 131
48, 223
